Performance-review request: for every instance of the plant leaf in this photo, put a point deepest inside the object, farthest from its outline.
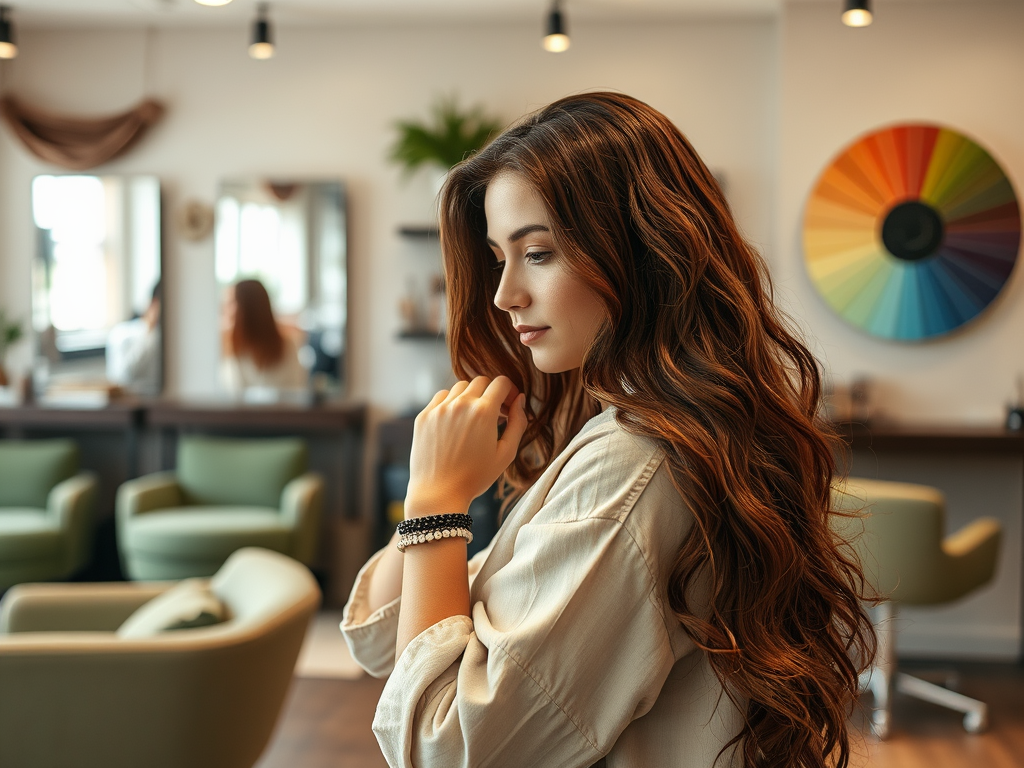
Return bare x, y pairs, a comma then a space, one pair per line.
446, 139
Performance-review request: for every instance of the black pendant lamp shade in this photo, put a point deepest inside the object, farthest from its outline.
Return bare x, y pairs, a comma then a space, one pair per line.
262, 46
8, 47
857, 13
556, 38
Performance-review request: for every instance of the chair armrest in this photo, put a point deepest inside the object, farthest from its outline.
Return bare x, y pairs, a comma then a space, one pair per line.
302, 502
980, 533
71, 503
73, 607
974, 551
147, 493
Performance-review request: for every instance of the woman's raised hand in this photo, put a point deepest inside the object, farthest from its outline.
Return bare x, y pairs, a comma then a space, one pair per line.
456, 451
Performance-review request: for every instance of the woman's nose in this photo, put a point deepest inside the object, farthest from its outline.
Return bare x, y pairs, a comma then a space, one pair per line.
510, 294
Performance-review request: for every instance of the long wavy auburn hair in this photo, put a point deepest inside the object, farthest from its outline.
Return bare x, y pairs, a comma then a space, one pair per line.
255, 332
697, 358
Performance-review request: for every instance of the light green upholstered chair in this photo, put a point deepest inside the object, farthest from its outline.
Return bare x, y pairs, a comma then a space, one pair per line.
46, 511
75, 693
899, 536
225, 494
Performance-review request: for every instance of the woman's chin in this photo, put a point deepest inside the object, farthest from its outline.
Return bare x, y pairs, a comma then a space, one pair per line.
546, 364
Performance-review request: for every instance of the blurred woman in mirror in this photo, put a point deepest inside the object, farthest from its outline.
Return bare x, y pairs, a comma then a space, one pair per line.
260, 355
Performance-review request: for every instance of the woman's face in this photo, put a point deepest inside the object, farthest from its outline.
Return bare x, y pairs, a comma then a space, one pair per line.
556, 314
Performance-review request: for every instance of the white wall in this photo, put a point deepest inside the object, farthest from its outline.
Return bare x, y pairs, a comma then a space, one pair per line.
960, 64
324, 107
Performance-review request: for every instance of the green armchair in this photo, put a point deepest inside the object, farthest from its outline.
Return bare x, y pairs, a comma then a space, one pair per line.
46, 511
225, 494
76, 692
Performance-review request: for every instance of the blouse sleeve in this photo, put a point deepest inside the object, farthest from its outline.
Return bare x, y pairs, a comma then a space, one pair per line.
372, 636
550, 674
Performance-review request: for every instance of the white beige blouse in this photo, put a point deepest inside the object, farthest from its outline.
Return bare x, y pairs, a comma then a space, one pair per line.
572, 656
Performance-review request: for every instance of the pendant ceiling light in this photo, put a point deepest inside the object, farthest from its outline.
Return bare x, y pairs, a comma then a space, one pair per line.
857, 13
213, 2
556, 39
262, 46
8, 49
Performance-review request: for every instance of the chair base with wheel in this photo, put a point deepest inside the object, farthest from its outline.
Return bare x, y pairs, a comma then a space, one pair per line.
883, 678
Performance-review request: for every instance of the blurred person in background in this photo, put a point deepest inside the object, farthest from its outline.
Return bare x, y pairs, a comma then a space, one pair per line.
259, 354
134, 350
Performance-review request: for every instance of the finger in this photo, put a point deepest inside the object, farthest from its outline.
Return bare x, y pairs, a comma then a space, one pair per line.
506, 405
499, 391
516, 427
477, 386
436, 400
457, 389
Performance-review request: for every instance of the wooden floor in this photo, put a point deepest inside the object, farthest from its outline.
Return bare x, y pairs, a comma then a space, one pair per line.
326, 724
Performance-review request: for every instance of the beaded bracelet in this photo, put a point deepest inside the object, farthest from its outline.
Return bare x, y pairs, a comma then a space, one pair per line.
419, 530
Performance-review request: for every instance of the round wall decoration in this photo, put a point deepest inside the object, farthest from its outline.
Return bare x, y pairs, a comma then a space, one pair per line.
911, 231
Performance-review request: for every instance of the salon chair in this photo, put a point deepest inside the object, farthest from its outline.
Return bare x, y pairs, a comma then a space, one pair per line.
46, 511
79, 691
898, 532
225, 494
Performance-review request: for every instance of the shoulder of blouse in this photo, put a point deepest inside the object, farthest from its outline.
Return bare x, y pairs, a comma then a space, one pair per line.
602, 465
608, 473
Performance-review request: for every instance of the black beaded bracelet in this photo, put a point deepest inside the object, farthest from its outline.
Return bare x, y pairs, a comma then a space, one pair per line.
434, 522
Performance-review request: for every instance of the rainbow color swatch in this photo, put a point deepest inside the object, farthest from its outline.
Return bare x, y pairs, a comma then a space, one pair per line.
911, 232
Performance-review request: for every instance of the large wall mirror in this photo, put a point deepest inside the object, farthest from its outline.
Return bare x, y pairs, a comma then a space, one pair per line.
290, 237
96, 285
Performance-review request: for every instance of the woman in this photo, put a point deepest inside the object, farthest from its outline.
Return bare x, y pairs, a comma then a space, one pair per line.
258, 354
666, 591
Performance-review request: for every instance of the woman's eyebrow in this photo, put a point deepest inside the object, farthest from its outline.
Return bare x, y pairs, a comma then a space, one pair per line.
520, 233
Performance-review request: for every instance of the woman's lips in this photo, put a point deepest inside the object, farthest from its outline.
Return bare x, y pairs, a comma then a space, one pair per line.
528, 337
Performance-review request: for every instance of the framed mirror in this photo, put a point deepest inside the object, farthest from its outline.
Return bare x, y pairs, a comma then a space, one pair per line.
290, 236
96, 288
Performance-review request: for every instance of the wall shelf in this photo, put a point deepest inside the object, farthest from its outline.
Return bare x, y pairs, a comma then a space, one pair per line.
422, 335
419, 230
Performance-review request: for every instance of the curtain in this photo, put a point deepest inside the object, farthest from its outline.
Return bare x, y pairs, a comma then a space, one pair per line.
78, 143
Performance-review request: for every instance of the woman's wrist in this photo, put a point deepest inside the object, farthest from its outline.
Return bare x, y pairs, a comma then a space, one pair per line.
419, 504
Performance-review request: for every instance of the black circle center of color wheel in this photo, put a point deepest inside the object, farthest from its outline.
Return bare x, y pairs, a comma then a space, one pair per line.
912, 231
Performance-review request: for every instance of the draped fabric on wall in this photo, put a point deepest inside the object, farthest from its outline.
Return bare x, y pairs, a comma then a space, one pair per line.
78, 143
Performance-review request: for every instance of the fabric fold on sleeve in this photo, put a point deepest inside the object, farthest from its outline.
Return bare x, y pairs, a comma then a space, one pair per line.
372, 637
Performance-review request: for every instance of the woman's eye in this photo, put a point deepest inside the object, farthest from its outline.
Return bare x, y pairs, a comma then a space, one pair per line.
537, 257
498, 266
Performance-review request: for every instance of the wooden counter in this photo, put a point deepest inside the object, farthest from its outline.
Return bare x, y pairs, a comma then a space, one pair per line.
897, 437
330, 417
116, 416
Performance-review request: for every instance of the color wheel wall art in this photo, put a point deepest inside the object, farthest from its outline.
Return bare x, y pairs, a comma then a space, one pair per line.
911, 232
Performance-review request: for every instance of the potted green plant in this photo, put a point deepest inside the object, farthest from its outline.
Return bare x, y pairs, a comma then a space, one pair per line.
10, 332
446, 138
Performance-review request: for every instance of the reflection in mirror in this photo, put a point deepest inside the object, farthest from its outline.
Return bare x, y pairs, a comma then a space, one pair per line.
289, 238
96, 286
